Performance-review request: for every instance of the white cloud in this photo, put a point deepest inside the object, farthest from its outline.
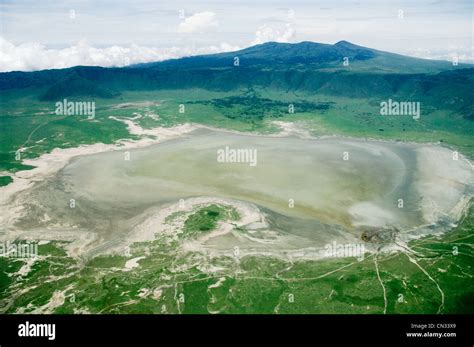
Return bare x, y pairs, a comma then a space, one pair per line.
35, 56
198, 23
461, 54
265, 34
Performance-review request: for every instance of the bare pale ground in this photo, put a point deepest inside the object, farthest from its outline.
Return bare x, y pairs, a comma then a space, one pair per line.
133, 263
49, 164
335, 200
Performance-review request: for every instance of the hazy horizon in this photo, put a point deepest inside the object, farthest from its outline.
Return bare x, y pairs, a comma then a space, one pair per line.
36, 36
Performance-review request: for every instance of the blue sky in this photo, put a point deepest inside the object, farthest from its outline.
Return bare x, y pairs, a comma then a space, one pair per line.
63, 33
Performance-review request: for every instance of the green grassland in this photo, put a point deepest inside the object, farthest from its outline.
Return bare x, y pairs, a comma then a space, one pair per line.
206, 219
32, 126
437, 279
166, 283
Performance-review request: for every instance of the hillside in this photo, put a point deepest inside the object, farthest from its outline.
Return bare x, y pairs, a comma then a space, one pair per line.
303, 67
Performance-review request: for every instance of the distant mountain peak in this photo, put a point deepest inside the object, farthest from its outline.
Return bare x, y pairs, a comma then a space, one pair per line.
347, 44
343, 42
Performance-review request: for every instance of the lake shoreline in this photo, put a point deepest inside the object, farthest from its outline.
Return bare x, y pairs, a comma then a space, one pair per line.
47, 165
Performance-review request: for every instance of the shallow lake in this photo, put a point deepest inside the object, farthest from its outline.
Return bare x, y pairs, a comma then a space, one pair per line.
312, 187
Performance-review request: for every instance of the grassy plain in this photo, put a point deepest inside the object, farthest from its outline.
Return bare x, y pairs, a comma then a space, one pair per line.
168, 281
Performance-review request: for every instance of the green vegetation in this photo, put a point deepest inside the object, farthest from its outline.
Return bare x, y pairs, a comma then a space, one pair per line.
169, 281
253, 108
205, 219
327, 99
5, 180
36, 130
